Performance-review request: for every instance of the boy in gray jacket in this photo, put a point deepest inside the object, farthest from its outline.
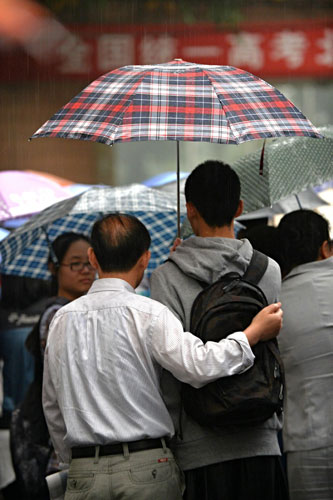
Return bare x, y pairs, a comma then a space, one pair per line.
219, 463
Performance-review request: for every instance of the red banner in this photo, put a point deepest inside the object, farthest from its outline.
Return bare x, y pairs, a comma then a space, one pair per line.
266, 51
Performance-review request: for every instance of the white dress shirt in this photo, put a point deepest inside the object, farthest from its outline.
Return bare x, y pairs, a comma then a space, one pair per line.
103, 363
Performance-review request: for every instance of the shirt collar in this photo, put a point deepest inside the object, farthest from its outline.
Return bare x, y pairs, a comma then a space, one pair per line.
310, 267
108, 284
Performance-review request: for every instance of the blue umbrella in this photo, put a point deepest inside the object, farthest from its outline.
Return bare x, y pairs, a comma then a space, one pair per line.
25, 251
164, 178
3, 233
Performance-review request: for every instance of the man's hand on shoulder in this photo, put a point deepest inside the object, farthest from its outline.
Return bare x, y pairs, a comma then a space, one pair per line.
265, 325
176, 243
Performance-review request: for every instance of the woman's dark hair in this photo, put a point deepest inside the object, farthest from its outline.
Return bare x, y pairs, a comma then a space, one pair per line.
118, 241
301, 234
58, 251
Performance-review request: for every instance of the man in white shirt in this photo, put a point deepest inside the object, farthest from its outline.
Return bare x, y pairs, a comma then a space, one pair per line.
101, 391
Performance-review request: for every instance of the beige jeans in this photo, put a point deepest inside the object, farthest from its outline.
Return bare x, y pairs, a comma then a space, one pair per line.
142, 475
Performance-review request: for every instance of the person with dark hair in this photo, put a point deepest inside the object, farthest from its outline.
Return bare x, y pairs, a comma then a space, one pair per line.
22, 301
215, 196
72, 276
243, 463
307, 351
118, 242
265, 239
304, 236
101, 391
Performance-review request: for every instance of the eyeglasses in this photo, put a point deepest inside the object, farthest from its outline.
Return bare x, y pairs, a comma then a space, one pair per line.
77, 267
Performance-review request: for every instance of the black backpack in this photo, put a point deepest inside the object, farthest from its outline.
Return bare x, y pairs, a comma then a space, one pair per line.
247, 399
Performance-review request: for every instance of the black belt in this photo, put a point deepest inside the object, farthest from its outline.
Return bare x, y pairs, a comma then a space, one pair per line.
116, 449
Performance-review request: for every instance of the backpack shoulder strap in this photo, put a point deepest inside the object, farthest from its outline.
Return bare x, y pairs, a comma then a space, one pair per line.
256, 268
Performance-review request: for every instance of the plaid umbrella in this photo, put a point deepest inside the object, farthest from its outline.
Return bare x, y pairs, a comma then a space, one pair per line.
178, 101
25, 251
289, 166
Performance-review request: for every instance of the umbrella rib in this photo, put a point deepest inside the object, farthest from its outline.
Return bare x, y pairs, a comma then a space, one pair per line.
222, 106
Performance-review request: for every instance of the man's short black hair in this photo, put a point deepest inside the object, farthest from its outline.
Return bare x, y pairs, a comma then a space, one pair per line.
214, 189
118, 241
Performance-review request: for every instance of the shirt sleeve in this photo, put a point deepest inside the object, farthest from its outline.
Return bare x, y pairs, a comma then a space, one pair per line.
193, 362
53, 416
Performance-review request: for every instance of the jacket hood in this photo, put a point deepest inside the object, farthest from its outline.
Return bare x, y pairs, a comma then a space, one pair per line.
206, 259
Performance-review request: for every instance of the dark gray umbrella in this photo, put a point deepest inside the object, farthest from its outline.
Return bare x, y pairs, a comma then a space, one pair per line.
285, 167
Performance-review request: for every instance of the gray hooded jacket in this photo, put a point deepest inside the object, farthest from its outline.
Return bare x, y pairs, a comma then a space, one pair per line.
205, 260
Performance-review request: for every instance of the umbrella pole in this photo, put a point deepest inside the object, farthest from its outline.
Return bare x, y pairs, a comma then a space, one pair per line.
178, 193
299, 202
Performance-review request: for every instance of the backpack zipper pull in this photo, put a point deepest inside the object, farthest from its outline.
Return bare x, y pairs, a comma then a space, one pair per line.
231, 285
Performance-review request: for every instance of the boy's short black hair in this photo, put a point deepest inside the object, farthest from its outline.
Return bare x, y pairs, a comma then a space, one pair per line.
214, 189
118, 241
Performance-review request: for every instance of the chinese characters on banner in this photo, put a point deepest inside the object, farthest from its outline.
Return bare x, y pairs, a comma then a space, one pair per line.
303, 52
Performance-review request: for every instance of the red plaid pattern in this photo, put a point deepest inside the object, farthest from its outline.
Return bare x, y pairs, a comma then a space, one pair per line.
178, 101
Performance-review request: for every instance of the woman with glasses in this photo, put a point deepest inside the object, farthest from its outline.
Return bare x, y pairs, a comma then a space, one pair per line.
32, 453
72, 275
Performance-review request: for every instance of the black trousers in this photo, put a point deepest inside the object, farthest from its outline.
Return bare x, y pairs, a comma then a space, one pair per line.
255, 478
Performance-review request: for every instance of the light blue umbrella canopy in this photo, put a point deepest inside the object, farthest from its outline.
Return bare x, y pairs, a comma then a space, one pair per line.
3, 233
164, 179
25, 251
